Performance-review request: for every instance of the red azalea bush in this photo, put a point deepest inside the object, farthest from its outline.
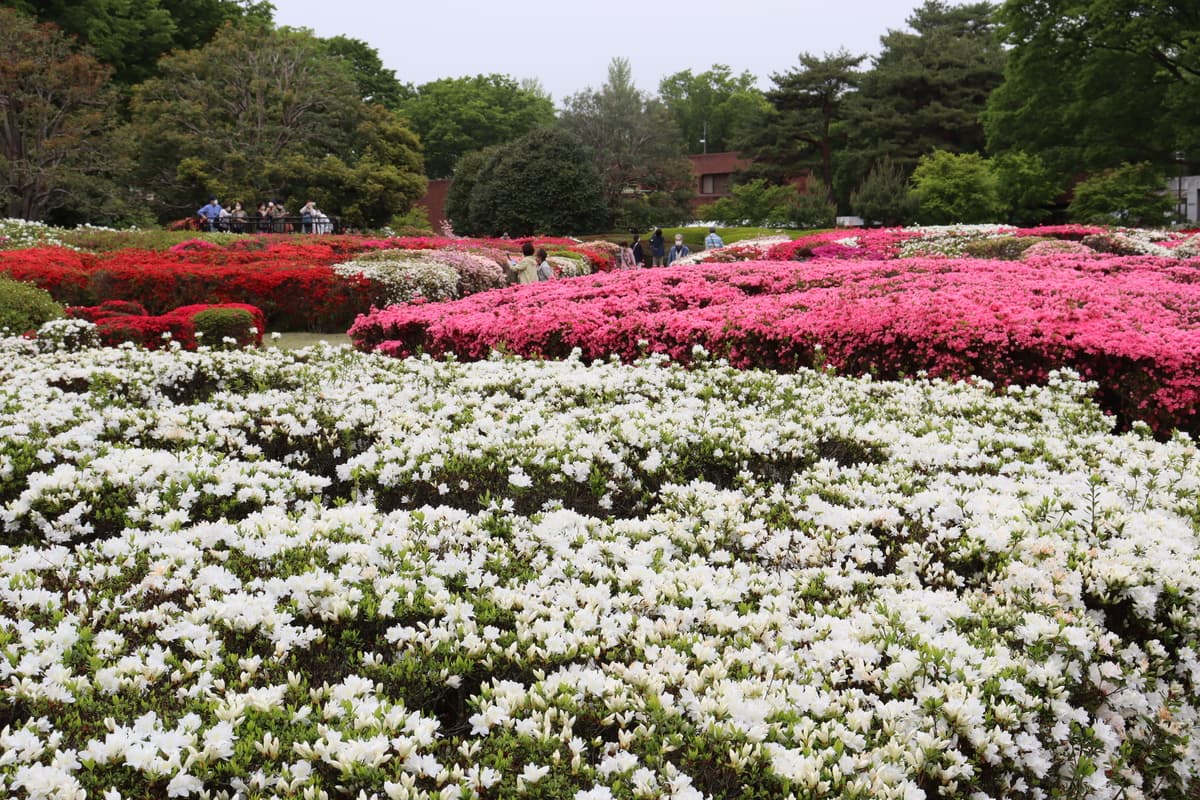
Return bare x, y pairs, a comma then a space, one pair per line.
290, 279
1130, 324
117, 322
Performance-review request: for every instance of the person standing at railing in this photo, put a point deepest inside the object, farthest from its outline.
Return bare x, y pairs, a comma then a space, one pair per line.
307, 212
277, 212
239, 218
210, 213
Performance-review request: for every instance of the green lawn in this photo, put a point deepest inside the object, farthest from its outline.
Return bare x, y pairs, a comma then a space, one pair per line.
294, 341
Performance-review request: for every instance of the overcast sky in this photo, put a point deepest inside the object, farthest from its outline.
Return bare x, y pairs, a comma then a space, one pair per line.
567, 44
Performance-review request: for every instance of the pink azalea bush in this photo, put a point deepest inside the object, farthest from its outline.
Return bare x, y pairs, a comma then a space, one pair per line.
1130, 324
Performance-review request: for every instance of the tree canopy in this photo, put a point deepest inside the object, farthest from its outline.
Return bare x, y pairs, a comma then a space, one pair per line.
709, 108
799, 131
453, 116
540, 183
132, 35
262, 113
55, 111
1125, 88
928, 87
629, 135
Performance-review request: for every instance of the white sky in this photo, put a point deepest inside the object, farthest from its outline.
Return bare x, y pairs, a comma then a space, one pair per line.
567, 44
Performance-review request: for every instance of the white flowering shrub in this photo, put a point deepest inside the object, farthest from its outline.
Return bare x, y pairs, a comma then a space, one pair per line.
404, 275
18, 234
322, 573
70, 335
568, 267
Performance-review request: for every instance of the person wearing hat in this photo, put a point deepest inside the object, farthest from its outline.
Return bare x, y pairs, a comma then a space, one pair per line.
210, 213
678, 251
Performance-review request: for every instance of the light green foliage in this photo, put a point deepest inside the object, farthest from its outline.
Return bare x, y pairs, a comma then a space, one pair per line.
1131, 194
24, 307
1025, 186
455, 116
883, 197
760, 203
711, 106
955, 188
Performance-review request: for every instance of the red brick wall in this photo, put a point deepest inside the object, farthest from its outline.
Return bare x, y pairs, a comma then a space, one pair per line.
434, 201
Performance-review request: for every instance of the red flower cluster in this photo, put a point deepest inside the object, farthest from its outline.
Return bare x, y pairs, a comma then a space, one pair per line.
291, 281
1128, 323
120, 321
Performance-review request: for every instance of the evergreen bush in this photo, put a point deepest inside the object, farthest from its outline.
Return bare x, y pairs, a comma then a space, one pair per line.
24, 307
883, 197
220, 325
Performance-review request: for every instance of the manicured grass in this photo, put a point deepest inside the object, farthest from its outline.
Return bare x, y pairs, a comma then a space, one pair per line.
295, 341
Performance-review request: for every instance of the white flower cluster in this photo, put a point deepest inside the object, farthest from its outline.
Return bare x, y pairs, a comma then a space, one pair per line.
321, 573
18, 234
406, 274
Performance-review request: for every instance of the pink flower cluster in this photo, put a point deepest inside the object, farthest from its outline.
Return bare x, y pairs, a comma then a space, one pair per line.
1132, 324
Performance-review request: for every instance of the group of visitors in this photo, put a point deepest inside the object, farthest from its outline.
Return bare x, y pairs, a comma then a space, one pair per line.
271, 217
533, 266
633, 255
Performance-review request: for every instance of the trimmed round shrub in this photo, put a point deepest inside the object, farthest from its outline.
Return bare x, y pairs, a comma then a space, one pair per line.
1003, 248
23, 307
1056, 247
225, 328
1117, 244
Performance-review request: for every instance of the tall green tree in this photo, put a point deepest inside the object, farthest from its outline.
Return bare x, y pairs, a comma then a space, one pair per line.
132, 35
710, 107
952, 188
453, 116
376, 83
1130, 194
1026, 187
929, 86
540, 183
1125, 86
260, 113
801, 130
629, 135
56, 111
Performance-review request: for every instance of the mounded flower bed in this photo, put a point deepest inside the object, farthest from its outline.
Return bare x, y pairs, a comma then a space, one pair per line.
270, 575
1129, 323
294, 282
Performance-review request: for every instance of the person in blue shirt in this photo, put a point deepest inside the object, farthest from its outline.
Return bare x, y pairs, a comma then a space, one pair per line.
210, 213
713, 240
679, 251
